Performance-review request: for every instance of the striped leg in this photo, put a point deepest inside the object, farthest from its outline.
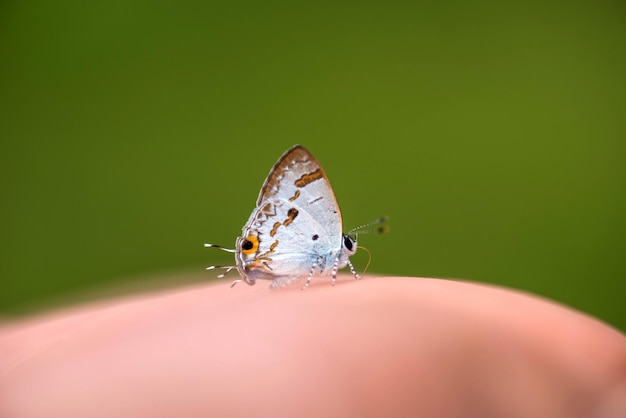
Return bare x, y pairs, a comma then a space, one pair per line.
333, 280
354, 273
308, 279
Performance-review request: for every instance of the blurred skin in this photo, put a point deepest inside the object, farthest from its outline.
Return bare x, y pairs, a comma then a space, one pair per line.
385, 346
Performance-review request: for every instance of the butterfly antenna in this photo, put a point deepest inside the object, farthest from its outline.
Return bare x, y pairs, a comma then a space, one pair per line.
380, 230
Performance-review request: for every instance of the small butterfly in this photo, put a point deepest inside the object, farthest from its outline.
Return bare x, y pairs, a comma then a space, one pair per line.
295, 231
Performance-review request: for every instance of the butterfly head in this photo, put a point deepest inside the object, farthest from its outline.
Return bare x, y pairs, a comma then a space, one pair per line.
349, 244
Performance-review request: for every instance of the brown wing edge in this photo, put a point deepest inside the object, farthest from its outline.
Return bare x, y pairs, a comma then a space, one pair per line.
297, 152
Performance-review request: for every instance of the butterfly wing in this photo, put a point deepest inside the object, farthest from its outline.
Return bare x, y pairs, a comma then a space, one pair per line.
297, 222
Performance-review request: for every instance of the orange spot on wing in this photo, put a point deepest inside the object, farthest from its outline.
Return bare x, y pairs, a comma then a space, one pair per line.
264, 256
250, 245
309, 178
295, 196
291, 215
275, 229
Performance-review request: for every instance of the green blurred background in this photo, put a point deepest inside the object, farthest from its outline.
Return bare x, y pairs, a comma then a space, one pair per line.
492, 135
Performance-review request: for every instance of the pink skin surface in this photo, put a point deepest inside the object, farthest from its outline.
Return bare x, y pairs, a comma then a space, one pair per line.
378, 347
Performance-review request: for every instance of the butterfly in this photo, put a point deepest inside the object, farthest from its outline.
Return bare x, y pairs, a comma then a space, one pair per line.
295, 231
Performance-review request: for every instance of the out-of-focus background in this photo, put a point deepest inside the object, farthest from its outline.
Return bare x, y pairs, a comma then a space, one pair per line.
492, 134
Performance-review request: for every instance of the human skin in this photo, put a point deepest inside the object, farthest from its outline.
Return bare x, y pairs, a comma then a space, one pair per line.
377, 347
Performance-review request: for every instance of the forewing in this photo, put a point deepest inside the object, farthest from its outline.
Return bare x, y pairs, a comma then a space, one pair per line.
297, 222
299, 178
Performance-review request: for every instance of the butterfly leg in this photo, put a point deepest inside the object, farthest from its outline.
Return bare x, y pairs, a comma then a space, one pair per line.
354, 273
333, 280
308, 279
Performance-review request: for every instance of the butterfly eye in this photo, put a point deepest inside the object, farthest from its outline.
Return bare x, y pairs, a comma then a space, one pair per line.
348, 242
250, 245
